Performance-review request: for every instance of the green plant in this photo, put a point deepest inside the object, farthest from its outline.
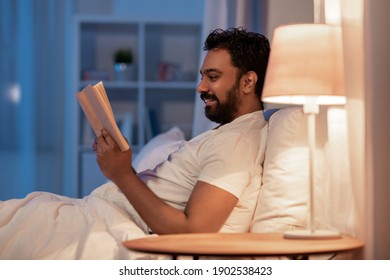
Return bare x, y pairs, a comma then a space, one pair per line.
123, 56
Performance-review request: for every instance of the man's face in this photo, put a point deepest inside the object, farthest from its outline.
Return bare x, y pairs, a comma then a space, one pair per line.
219, 88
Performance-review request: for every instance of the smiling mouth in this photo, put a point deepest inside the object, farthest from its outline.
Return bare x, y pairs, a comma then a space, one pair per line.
207, 98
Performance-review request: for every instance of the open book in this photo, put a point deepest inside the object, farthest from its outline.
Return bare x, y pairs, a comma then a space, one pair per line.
94, 102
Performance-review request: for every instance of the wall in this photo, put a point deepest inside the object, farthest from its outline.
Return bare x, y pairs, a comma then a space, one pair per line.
181, 10
282, 12
377, 39
145, 9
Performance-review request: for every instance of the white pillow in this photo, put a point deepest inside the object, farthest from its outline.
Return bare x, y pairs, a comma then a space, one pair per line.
158, 149
283, 196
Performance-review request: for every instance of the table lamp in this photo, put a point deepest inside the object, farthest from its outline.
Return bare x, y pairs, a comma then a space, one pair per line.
305, 67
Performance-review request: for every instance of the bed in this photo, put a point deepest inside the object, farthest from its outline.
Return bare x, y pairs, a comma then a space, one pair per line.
30, 229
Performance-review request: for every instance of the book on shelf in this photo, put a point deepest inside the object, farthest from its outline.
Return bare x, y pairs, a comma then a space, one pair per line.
96, 107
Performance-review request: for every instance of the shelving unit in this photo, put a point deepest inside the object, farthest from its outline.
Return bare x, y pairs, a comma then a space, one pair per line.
158, 95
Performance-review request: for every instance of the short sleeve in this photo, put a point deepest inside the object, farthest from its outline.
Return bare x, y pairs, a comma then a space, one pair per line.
227, 161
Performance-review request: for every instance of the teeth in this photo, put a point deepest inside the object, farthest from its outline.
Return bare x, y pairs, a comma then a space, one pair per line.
207, 99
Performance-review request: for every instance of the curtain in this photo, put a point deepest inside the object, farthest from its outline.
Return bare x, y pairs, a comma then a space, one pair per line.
17, 154
374, 195
352, 26
32, 94
341, 205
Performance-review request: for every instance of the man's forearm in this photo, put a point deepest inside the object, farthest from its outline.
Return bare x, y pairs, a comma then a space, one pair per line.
158, 215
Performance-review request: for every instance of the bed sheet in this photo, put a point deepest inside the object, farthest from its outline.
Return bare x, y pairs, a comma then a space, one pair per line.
49, 226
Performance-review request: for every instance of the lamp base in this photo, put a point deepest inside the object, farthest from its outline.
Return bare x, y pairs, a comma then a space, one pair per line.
308, 234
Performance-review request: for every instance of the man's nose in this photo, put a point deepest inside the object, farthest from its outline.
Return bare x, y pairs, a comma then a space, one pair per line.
202, 88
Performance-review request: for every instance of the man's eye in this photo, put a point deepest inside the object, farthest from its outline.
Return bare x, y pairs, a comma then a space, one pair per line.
212, 78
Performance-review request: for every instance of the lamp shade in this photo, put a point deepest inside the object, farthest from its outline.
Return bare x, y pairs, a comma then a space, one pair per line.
305, 61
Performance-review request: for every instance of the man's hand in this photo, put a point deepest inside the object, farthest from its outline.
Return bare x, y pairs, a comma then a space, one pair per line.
114, 163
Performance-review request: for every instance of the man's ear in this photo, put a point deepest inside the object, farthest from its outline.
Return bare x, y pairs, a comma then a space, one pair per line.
250, 79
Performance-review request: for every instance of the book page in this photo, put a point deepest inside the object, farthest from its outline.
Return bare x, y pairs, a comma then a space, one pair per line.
99, 86
94, 102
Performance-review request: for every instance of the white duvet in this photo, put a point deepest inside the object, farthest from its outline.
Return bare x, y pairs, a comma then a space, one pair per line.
49, 226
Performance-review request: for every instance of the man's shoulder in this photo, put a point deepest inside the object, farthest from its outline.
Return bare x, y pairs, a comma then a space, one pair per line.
248, 127
250, 121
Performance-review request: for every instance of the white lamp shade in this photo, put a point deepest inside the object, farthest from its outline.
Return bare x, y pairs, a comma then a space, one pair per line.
305, 61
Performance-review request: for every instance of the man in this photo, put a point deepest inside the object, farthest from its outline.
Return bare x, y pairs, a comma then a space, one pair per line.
211, 183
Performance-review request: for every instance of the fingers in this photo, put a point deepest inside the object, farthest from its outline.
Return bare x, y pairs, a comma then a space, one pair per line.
103, 143
100, 141
108, 139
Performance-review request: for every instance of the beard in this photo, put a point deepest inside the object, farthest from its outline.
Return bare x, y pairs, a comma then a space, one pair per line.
223, 113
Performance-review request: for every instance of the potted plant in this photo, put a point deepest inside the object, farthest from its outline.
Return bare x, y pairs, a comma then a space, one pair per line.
123, 64
123, 56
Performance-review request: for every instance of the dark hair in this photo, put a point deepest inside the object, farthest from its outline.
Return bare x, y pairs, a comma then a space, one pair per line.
249, 51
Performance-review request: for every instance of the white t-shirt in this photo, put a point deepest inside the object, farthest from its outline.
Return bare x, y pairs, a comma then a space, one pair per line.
229, 157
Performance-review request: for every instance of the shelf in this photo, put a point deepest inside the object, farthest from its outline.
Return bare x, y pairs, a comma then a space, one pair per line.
111, 84
159, 94
130, 84
174, 85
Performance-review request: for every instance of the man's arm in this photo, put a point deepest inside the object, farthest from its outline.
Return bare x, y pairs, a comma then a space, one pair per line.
207, 209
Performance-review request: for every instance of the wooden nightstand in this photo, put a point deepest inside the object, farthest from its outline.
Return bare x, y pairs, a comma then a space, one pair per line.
240, 245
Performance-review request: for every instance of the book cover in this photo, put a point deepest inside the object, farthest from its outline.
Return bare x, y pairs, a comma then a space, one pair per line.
96, 107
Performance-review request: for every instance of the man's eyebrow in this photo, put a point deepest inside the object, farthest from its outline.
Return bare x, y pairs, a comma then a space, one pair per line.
210, 70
